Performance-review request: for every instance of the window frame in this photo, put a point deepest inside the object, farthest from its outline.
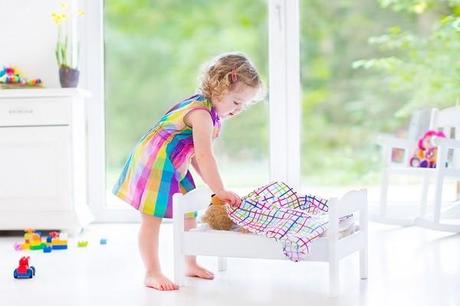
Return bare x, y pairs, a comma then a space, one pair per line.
284, 101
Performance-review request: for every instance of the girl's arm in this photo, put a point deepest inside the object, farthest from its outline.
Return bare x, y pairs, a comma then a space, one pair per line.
195, 165
202, 129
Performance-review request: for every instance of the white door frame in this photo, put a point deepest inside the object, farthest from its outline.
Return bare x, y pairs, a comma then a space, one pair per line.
284, 91
92, 55
284, 96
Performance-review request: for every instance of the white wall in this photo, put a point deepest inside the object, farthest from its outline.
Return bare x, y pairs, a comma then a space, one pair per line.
27, 41
28, 37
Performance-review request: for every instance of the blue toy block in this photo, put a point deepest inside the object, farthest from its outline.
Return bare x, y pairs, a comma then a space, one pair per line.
103, 241
59, 247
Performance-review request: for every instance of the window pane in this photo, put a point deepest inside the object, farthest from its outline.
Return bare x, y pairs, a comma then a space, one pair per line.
154, 51
344, 108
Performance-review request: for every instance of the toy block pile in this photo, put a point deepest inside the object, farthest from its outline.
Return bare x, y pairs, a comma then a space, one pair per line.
10, 77
57, 240
34, 241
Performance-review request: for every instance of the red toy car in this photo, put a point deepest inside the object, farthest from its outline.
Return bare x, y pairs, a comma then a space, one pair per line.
24, 271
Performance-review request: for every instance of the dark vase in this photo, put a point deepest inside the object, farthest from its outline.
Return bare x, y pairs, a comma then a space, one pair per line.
68, 77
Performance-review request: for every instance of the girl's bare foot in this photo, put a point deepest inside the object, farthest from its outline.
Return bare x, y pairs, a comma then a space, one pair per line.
194, 270
160, 282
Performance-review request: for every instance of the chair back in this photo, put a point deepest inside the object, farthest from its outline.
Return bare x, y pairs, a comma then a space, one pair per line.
419, 123
448, 120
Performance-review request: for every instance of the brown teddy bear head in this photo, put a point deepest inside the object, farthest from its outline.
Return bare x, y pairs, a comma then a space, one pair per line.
216, 215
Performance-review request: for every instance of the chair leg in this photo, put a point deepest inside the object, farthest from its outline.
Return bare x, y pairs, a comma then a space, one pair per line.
334, 278
438, 199
179, 269
384, 194
363, 262
424, 195
221, 264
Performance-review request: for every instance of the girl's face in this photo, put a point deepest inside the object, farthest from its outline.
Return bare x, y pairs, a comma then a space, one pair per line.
234, 101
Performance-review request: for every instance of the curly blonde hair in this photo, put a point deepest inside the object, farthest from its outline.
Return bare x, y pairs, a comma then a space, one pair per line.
225, 72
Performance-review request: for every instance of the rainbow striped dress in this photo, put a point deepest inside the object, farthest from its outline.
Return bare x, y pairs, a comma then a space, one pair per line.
158, 166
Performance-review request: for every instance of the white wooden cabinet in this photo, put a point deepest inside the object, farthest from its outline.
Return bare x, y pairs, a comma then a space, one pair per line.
43, 159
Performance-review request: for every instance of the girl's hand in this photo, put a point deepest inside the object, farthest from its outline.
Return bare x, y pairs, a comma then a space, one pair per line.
229, 197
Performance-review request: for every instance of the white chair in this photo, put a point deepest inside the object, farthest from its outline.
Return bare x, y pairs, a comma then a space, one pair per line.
448, 166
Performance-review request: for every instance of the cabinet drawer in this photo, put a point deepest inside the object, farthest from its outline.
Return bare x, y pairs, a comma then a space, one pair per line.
35, 111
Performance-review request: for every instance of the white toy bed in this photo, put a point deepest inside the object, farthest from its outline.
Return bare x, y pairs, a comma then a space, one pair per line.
222, 244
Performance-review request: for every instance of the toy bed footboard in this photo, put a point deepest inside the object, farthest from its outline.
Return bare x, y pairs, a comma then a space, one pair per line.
232, 244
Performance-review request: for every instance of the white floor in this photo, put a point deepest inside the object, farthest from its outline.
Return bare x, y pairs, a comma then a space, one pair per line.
407, 266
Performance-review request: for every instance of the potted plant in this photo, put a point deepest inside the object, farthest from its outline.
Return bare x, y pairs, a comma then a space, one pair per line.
67, 45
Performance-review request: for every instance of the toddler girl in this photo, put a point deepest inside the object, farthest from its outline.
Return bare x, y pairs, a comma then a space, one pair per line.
158, 166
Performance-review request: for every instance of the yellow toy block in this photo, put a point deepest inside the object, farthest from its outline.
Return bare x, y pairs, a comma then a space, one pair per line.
59, 242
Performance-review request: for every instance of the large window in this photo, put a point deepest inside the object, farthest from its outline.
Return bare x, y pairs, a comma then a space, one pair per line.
153, 54
153, 51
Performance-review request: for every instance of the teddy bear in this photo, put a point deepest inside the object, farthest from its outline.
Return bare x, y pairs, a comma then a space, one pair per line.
217, 218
